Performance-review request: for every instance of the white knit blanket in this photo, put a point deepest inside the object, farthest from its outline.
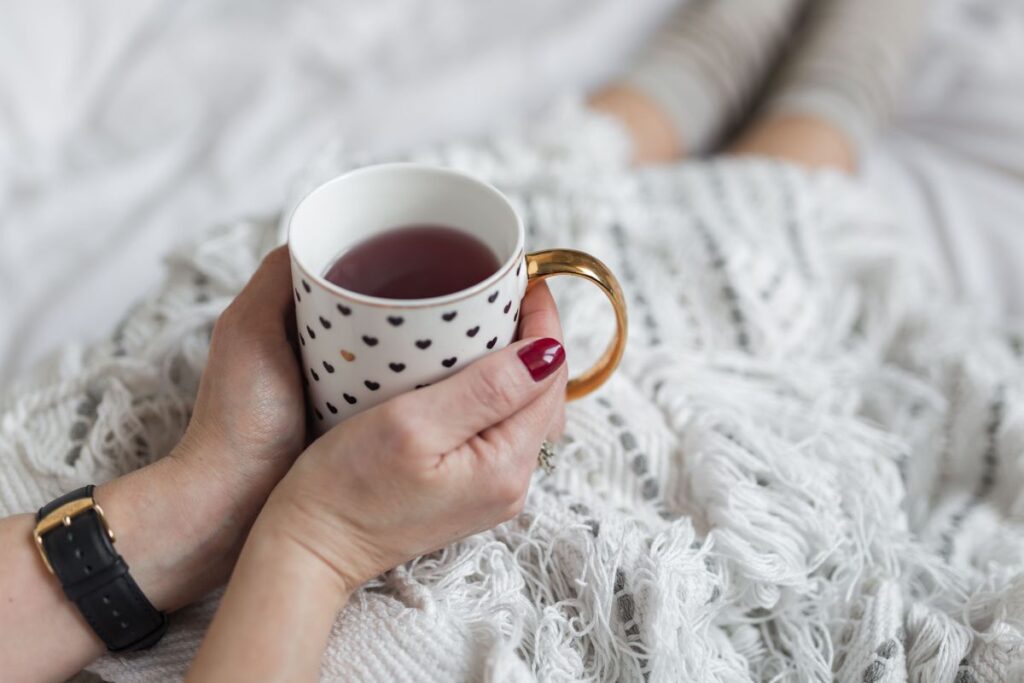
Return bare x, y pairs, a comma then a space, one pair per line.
809, 466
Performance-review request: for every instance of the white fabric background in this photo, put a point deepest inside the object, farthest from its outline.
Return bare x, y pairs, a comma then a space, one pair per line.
954, 161
129, 126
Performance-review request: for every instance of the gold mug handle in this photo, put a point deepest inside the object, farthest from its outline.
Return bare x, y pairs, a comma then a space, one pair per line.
541, 265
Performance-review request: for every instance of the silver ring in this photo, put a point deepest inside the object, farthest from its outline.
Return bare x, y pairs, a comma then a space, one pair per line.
546, 457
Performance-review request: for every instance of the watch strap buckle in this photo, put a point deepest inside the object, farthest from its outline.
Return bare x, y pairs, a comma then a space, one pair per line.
62, 516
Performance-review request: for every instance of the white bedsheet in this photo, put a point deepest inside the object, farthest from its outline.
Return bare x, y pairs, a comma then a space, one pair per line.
954, 160
128, 127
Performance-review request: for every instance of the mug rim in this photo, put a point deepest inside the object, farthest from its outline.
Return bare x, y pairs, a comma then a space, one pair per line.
369, 300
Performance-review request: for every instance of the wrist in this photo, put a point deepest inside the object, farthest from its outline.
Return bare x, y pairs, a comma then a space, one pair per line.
178, 527
343, 562
280, 547
278, 589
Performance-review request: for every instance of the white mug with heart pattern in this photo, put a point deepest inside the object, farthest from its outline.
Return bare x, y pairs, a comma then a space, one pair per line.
359, 350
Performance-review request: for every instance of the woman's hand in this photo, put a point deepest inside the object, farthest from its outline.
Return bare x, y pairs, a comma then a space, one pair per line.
193, 508
402, 479
248, 424
432, 466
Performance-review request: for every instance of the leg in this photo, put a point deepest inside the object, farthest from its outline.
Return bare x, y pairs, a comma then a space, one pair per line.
698, 75
652, 133
839, 84
804, 139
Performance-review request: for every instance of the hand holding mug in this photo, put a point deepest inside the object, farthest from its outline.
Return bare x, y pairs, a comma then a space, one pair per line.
193, 508
406, 477
428, 467
249, 408
437, 414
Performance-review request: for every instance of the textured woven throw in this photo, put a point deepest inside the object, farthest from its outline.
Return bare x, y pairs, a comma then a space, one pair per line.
808, 468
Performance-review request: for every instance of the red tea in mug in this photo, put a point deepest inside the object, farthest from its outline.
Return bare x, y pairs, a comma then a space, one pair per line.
414, 262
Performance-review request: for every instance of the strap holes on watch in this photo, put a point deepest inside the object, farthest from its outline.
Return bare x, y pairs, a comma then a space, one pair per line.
88, 567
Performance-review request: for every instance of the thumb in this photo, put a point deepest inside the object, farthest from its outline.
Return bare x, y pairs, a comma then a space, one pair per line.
483, 394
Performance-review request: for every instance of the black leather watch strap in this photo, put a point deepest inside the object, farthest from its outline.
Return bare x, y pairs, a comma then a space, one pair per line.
81, 554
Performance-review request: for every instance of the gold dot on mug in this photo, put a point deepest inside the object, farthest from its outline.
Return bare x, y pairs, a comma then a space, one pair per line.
348, 355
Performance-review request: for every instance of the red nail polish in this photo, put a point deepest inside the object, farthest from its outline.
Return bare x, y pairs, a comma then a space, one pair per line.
542, 357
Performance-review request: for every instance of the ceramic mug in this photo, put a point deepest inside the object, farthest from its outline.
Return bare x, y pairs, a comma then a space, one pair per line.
359, 350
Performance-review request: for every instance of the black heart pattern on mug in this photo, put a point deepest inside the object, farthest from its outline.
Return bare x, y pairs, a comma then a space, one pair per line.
397, 321
389, 337
519, 268
305, 286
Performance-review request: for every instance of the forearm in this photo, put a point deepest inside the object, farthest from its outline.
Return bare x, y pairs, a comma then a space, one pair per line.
276, 614
174, 530
45, 638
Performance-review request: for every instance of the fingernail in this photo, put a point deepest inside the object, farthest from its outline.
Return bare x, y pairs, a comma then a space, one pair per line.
542, 357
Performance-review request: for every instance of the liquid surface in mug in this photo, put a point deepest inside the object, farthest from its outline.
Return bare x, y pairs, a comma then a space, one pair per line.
414, 262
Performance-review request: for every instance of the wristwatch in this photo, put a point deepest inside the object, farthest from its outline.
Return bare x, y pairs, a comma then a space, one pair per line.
77, 547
